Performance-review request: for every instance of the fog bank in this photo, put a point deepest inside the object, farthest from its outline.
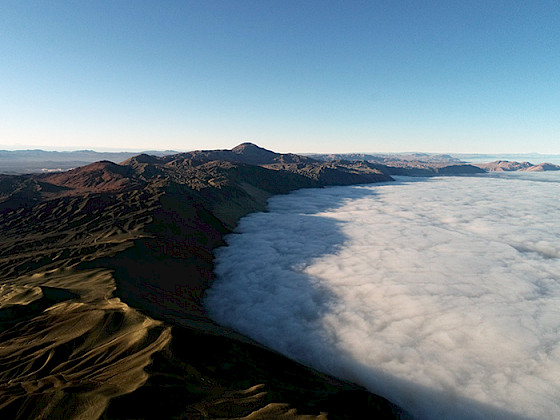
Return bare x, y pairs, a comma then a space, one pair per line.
440, 294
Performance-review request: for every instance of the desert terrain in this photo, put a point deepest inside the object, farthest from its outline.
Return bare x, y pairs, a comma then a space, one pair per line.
103, 272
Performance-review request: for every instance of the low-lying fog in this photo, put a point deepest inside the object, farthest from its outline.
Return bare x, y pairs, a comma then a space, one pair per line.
440, 294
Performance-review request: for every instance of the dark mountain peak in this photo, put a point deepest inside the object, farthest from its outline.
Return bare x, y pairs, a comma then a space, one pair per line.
253, 154
248, 147
102, 166
141, 158
243, 146
97, 176
247, 153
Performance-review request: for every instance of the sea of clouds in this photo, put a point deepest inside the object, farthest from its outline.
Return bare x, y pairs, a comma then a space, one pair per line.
441, 294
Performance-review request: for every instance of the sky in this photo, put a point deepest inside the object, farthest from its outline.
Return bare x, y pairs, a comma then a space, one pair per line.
291, 76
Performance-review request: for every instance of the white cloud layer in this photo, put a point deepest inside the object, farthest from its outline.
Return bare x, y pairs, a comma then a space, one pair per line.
441, 294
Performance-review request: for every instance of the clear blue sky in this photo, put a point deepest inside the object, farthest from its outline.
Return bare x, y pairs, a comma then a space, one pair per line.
299, 76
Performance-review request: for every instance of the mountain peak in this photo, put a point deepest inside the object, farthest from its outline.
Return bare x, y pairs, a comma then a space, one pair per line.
98, 176
253, 154
141, 158
249, 148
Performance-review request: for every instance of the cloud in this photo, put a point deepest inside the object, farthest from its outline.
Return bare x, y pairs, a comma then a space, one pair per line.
441, 294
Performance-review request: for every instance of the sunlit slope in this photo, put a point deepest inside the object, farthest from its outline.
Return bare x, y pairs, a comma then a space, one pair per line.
67, 345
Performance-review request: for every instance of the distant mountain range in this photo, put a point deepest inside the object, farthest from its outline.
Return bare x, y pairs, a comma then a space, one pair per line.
509, 166
37, 161
439, 157
388, 157
427, 164
418, 164
515, 157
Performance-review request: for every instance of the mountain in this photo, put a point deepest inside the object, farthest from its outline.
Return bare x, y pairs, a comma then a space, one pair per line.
542, 167
407, 164
16, 162
519, 157
505, 165
407, 168
103, 270
248, 153
426, 164
389, 157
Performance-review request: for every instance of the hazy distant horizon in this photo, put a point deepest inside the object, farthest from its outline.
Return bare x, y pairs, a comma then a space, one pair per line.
473, 157
468, 156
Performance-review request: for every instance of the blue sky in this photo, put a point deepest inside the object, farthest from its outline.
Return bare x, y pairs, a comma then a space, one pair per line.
298, 76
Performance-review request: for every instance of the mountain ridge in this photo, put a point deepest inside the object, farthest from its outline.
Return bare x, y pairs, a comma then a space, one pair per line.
130, 247
514, 166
